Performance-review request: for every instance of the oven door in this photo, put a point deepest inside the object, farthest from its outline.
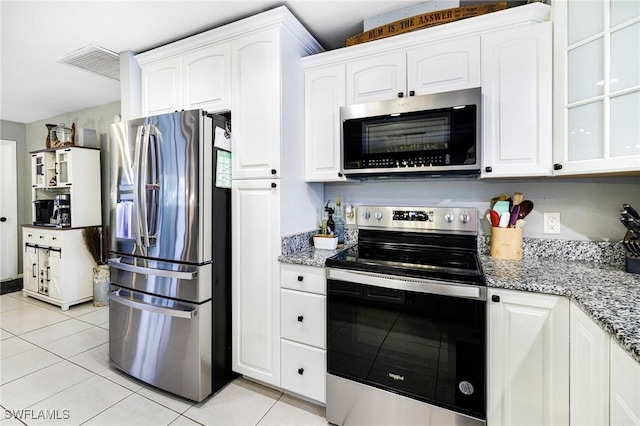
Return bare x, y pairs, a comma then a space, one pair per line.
411, 339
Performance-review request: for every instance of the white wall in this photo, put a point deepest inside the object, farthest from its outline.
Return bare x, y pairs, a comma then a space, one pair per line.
588, 206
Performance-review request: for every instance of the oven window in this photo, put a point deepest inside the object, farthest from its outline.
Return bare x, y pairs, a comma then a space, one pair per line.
426, 347
441, 137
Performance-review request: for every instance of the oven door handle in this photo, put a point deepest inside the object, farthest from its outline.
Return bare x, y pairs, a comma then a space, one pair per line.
417, 285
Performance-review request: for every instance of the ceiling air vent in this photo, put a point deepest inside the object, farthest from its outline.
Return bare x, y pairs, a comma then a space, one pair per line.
95, 59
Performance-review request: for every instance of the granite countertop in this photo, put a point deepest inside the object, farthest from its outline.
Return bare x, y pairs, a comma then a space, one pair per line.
608, 294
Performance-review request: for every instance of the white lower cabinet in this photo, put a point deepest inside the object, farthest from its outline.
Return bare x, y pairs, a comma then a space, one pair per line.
528, 359
57, 268
589, 371
303, 330
625, 388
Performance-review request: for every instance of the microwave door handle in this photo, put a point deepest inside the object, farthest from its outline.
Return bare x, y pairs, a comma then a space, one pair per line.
148, 307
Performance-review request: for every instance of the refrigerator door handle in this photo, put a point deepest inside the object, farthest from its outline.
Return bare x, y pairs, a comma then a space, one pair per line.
152, 183
115, 296
143, 212
136, 187
115, 263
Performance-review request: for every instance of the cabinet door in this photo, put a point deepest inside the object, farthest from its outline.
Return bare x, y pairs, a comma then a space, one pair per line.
528, 371
43, 270
516, 102
30, 268
589, 371
625, 387
162, 87
596, 86
442, 67
206, 81
55, 284
64, 167
255, 279
324, 95
255, 102
376, 78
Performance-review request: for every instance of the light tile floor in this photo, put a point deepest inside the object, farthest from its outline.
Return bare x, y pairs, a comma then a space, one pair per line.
54, 366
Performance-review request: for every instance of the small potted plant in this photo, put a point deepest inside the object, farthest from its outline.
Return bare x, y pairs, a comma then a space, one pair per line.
101, 277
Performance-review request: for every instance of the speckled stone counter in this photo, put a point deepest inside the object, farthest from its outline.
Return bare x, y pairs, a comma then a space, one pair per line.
310, 257
608, 294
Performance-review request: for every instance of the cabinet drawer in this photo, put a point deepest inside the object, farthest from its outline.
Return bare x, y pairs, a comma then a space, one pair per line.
53, 238
303, 370
303, 318
303, 278
30, 235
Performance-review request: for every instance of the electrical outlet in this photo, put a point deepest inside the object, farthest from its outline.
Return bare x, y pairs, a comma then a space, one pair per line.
551, 223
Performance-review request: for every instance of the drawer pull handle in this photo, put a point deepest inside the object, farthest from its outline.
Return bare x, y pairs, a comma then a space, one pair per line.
495, 298
300, 371
300, 277
300, 318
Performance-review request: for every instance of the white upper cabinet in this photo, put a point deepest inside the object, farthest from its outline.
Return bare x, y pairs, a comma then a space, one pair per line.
324, 95
597, 86
255, 60
198, 79
437, 67
517, 102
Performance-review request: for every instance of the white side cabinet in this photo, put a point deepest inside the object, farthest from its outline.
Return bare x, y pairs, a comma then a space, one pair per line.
57, 267
198, 79
589, 371
256, 274
625, 388
303, 330
528, 358
324, 95
517, 102
73, 171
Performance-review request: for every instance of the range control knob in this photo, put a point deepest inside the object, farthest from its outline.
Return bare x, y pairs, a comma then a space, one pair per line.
449, 217
367, 215
378, 215
464, 217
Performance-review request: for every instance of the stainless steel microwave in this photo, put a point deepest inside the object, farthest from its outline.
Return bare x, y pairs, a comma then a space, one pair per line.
436, 134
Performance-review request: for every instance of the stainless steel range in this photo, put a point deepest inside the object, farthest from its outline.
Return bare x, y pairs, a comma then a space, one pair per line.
406, 338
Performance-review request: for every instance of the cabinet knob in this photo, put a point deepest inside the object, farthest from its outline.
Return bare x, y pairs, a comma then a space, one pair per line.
495, 298
412, 93
300, 371
274, 171
300, 318
557, 166
401, 94
3, 219
41, 236
488, 169
339, 174
273, 184
300, 277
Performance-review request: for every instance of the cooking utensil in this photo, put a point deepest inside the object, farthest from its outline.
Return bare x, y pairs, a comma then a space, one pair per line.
525, 208
494, 218
520, 223
634, 224
515, 214
501, 207
631, 211
517, 198
627, 225
504, 219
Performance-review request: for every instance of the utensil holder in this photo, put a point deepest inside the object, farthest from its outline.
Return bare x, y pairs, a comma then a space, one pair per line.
632, 264
506, 243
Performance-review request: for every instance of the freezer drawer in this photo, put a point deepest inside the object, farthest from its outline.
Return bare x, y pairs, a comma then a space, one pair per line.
162, 342
173, 280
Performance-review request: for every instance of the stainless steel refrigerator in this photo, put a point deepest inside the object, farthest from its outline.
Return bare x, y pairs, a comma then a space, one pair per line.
169, 303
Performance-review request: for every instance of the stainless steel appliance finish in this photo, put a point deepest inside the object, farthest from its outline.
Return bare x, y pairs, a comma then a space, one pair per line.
169, 322
354, 404
420, 135
406, 319
62, 210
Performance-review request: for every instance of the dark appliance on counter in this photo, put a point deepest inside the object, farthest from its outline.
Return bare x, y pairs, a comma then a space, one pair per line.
406, 312
43, 212
170, 300
437, 134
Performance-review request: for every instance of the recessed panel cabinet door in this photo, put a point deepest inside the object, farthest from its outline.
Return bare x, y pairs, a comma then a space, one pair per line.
517, 102
206, 82
528, 374
625, 387
30, 268
255, 279
162, 87
255, 102
376, 78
